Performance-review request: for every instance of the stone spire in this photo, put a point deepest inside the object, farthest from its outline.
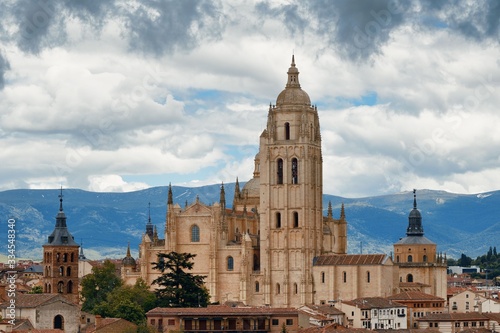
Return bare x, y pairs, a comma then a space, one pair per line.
170, 199
149, 225
342, 212
415, 220
330, 210
222, 197
61, 234
81, 256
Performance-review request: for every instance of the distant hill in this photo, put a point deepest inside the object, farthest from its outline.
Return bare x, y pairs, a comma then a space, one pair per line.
106, 222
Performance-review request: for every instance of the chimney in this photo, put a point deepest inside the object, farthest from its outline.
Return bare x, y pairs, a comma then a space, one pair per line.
97, 321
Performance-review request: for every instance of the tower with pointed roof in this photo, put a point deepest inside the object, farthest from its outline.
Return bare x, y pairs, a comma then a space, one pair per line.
420, 266
60, 259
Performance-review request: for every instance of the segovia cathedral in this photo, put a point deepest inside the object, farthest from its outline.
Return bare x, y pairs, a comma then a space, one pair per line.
273, 246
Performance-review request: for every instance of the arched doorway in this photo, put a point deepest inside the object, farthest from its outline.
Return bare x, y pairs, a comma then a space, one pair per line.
59, 322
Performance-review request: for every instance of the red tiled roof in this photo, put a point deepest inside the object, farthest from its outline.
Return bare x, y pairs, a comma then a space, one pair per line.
374, 302
413, 285
331, 328
51, 330
34, 300
350, 259
414, 296
453, 316
218, 310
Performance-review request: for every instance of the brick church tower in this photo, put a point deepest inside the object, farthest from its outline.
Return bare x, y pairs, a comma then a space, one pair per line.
60, 260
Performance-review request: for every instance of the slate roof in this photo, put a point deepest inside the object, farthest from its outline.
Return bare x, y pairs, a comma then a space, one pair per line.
350, 259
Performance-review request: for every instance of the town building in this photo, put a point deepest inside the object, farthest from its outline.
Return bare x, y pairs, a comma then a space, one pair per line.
491, 305
455, 322
374, 313
223, 318
466, 301
46, 311
320, 315
274, 247
419, 305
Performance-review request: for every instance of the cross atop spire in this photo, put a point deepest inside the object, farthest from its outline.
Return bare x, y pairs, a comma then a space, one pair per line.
414, 199
60, 201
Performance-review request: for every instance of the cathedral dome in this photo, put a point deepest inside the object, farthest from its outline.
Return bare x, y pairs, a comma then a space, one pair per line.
252, 187
128, 261
293, 94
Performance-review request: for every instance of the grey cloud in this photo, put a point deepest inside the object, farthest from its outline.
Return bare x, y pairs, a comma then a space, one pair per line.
164, 26
355, 28
153, 26
4, 66
478, 20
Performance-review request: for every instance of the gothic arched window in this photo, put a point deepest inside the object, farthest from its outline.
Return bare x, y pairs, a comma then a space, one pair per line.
256, 262
230, 263
295, 219
69, 287
278, 220
410, 258
60, 287
409, 278
279, 171
195, 233
295, 171
68, 271
287, 131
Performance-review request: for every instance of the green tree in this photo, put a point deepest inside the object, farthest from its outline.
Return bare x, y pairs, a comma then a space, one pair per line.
128, 302
177, 287
97, 285
36, 290
464, 261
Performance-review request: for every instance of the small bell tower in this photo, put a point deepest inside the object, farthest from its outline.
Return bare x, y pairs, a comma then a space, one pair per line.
60, 259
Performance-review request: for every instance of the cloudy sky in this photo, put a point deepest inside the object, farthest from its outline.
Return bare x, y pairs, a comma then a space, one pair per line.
120, 95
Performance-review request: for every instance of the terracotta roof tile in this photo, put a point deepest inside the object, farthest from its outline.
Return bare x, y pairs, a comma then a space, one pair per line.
453, 316
374, 302
414, 296
217, 310
34, 300
350, 259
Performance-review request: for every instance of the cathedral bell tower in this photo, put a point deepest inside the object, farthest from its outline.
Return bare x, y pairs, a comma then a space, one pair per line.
60, 260
291, 220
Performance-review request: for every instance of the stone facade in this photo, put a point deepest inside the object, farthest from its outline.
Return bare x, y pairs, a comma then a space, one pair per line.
264, 249
47, 311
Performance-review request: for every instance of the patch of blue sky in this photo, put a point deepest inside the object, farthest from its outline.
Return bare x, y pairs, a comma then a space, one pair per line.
369, 99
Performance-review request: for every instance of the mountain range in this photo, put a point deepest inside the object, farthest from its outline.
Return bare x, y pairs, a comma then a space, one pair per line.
105, 223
